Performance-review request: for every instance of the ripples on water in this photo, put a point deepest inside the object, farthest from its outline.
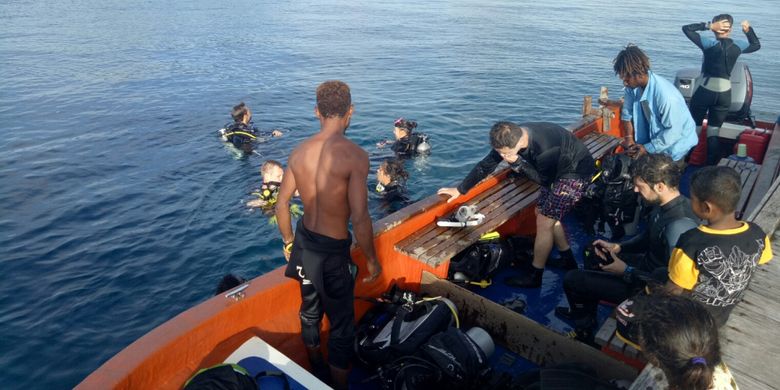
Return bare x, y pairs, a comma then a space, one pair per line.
120, 208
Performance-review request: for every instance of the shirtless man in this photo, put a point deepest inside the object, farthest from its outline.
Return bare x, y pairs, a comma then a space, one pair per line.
329, 171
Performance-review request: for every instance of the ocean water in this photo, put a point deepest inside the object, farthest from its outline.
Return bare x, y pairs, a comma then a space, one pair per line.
119, 206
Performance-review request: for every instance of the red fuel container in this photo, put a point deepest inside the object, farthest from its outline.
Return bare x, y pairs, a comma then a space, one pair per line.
756, 141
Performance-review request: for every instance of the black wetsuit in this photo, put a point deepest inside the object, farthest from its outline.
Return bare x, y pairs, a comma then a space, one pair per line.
321, 265
648, 253
241, 135
394, 198
407, 146
553, 153
720, 56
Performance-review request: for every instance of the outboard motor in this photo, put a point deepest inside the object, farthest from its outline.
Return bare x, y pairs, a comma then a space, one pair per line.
689, 79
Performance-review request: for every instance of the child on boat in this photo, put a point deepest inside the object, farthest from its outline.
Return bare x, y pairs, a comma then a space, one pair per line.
391, 185
407, 142
242, 133
714, 263
679, 338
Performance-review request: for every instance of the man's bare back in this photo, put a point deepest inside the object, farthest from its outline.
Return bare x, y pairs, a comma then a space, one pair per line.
329, 171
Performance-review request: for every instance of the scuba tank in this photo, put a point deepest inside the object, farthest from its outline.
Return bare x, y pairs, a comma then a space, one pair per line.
423, 146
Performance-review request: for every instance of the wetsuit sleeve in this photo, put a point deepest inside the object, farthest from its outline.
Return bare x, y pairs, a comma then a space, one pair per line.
692, 32
682, 270
672, 117
766, 254
675, 229
480, 171
752, 44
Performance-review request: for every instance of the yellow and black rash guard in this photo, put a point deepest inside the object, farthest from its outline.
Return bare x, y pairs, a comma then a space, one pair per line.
716, 265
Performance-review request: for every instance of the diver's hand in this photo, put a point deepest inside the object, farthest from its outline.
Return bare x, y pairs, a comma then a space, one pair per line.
374, 269
276, 133
617, 266
721, 26
606, 246
636, 150
745, 26
453, 193
254, 203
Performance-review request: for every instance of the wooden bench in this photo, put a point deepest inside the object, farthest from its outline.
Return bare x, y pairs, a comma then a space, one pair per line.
614, 346
748, 172
433, 245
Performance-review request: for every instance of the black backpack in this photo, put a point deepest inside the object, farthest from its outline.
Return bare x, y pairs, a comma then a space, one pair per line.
450, 359
610, 198
478, 262
395, 329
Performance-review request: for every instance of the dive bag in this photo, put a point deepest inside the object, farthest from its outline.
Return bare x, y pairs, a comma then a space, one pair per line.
610, 198
391, 330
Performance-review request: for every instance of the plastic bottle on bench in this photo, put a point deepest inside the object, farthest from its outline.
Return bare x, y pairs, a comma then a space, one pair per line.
741, 154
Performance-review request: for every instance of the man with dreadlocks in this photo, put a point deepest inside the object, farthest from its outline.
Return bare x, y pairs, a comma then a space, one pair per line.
654, 113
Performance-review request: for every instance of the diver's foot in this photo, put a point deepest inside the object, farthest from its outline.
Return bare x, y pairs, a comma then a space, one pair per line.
532, 279
570, 314
563, 262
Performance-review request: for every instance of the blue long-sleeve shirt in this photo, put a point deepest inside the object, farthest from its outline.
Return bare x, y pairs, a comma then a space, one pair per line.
662, 122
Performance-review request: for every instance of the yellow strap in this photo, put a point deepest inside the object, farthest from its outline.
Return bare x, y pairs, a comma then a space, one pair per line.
484, 283
250, 135
490, 236
288, 247
596, 177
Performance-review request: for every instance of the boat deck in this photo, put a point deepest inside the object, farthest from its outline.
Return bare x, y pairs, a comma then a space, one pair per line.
750, 340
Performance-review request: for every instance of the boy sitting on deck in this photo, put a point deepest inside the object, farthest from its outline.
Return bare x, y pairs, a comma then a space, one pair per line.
714, 263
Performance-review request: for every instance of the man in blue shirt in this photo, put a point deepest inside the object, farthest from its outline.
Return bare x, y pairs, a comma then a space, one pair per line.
654, 113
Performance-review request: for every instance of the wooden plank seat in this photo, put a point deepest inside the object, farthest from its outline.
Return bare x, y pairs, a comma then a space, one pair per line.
748, 172
607, 338
434, 245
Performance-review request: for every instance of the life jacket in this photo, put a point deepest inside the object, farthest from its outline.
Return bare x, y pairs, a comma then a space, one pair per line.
268, 192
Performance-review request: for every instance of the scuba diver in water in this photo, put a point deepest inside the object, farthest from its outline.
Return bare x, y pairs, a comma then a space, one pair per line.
273, 173
242, 133
713, 98
407, 142
391, 185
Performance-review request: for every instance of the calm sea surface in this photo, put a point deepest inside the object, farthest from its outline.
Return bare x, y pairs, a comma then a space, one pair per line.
120, 208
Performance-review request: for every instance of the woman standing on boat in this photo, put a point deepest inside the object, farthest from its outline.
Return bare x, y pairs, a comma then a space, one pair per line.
713, 97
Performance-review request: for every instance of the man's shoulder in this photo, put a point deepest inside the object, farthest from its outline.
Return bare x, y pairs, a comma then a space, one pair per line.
346, 147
